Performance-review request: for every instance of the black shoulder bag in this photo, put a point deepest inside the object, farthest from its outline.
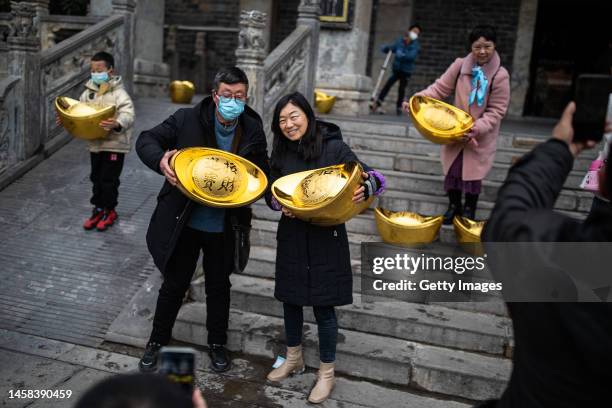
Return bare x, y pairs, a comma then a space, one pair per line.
240, 220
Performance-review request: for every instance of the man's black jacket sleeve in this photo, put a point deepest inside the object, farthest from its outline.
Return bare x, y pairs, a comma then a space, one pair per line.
523, 210
153, 143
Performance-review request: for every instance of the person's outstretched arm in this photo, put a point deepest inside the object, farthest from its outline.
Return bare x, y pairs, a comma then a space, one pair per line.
523, 209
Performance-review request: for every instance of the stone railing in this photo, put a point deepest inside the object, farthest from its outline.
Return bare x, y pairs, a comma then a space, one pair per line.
56, 28
290, 67
35, 77
4, 30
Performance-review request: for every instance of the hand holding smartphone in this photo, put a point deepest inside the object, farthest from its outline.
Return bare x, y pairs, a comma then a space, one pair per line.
178, 365
591, 98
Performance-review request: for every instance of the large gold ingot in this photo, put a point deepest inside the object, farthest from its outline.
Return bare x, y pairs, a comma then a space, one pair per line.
322, 196
181, 91
439, 122
406, 228
468, 234
217, 178
323, 102
81, 119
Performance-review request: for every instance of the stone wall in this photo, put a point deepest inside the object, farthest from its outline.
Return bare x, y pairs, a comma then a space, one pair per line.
220, 46
446, 26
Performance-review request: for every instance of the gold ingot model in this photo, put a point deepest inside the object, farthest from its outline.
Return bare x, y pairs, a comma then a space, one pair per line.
182, 91
468, 234
217, 178
406, 228
323, 102
439, 122
322, 196
82, 119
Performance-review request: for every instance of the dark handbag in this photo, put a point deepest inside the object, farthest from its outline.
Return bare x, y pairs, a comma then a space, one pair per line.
240, 220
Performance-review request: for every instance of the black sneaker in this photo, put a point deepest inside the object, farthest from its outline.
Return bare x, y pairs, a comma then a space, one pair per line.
148, 362
219, 360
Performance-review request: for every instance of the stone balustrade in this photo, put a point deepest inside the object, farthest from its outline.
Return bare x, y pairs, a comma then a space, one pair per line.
34, 76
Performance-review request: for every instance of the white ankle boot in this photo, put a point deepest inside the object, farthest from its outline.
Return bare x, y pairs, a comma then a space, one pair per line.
293, 364
325, 383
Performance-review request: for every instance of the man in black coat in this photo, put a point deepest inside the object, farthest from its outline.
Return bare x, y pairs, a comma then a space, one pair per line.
180, 228
563, 351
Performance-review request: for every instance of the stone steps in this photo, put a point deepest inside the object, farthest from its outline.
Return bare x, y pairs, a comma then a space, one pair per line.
262, 265
245, 385
521, 140
430, 165
430, 185
420, 146
410, 365
424, 323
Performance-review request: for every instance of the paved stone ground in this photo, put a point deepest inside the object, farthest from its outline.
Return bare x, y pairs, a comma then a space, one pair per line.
36, 363
58, 280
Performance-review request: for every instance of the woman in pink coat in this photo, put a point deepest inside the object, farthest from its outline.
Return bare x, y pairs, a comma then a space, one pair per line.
481, 87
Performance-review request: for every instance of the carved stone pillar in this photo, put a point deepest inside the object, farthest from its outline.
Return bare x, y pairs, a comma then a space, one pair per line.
41, 7
151, 75
250, 55
125, 61
265, 6
24, 63
308, 14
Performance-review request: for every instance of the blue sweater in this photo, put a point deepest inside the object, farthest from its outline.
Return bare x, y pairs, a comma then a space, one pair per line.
405, 55
211, 219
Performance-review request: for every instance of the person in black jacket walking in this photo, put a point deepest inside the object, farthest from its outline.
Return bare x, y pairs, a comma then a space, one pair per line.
313, 265
563, 351
180, 228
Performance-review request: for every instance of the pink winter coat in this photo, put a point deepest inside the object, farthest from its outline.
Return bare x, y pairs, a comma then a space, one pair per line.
477, 157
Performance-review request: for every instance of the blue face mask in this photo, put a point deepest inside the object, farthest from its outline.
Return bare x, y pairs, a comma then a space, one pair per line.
230, 108
99, 77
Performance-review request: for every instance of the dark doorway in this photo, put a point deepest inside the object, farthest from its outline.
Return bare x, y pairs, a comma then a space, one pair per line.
572, 37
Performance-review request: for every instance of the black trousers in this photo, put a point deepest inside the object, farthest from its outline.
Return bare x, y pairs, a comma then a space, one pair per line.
403, 81
105, 171
217, 264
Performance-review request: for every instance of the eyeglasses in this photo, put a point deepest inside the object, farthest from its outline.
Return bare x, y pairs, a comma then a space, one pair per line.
229, 95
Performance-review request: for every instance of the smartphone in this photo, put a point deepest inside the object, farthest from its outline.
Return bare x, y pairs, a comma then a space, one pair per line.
178, 365
591, 97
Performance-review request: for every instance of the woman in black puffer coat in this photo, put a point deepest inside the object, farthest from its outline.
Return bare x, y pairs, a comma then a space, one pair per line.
313, 265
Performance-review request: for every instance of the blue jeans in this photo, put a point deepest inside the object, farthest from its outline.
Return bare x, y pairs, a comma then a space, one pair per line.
327, 324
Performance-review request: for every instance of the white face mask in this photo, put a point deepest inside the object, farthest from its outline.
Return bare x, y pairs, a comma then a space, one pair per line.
413, 35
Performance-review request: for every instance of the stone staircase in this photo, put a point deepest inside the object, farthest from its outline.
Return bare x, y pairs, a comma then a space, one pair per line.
432, 352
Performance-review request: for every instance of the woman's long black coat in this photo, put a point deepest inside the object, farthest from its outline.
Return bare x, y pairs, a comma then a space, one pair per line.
313, 266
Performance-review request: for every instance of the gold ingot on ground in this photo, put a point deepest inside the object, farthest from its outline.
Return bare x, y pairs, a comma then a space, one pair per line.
468, 233
217, 178
438, 121
323, 102
406, 228
322, 196
182, 91
82, 119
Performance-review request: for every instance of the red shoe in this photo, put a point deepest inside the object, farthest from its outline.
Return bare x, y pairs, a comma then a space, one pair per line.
108, 219
96, 216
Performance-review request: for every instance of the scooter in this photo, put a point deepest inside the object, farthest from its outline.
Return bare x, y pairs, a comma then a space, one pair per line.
374, 104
